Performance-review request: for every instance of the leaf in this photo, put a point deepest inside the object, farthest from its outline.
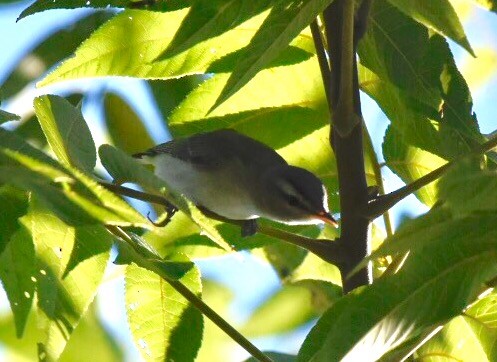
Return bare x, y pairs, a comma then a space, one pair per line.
438, 15
216, 345
434, 285
43, 5
411, 74
289, 308
163, 324
129, 43
49, 51
74, 197
487, 4
467, 191
17, 273
66, 132
64, 293
470, 337
14, 204
7, 116
122, 121
410, 163
210, 18
283, 24
91, 335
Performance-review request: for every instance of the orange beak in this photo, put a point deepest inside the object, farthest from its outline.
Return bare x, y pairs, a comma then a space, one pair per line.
327, 218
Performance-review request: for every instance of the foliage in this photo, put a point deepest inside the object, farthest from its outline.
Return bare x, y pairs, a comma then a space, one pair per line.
253, 66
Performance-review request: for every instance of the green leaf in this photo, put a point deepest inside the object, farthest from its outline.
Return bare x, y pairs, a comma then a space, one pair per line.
410, 163
283, 24
74, 197
470, 337
488, 4
17, 273
438, 15
14, 204
216, 344
66, 132
43, 5
210, 18
467, 191
290, 307
128, 44
7, 116
91, 335
49, 51
410, 72
435, 284
140, 249
164, 325
122, 121
65, 286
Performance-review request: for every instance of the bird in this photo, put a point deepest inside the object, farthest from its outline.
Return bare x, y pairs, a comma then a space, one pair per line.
230, 176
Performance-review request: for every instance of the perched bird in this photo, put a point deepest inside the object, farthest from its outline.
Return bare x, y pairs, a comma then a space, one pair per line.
238, 178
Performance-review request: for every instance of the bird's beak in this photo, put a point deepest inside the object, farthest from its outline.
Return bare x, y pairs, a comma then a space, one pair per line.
327, 218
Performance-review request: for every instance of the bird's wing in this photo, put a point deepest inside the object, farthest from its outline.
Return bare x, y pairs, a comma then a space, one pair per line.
208, 149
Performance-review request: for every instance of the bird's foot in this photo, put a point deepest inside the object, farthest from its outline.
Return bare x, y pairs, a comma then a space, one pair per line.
249, 227
170, 211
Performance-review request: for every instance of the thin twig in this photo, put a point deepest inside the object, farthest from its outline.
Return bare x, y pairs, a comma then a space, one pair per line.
379, 205
192, 298
324, 65
325, 249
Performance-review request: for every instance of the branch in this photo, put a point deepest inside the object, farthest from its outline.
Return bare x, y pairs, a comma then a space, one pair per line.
324, 66
325, 249
144, 261
345, 119
383, 203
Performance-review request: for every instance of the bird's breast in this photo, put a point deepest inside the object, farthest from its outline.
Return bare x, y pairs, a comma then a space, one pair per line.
222, 192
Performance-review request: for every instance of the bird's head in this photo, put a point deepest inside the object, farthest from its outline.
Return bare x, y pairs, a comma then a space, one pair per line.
294, 195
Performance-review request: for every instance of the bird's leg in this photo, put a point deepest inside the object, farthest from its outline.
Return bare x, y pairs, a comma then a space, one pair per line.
249, 227
170, 211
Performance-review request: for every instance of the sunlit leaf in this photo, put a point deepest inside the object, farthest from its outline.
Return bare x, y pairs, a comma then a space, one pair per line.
209, 18
66, 132
488, 4
288, 308
73, 196
122, 121
128, 44
284, 22
412, 75
50, 51
163, 324
434, 285
438, 15
43, 5
470, 337
17, 273
65, 286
